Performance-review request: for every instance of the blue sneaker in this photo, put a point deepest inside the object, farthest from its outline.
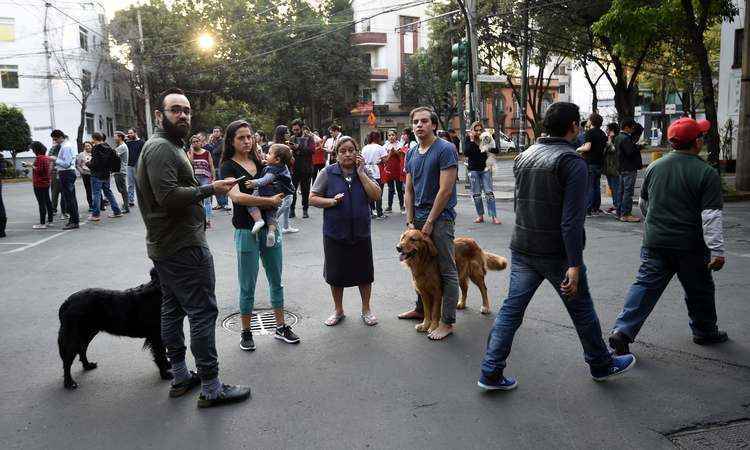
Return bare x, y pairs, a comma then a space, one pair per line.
619, 365
497, 383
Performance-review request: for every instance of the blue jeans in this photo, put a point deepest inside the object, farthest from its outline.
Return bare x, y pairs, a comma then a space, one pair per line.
594, 193
250, 249
614, 186
282, 216
625, 193
481, 181
97, 185
526, 275
69, 202
203, 181
658, 266
131, 184
221, 200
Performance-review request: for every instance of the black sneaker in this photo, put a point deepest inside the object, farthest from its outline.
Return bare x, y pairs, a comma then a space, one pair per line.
619, 343
247, 342
292, 215
305, 215
229, 394
70, 226
714, 338
183, 387
286, 334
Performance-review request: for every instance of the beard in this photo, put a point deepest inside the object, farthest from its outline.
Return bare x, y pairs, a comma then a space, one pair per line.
177, 131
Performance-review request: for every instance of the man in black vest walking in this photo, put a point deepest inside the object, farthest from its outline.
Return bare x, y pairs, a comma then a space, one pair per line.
547, 244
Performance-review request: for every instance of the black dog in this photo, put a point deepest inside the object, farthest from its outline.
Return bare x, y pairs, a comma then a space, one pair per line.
134, 313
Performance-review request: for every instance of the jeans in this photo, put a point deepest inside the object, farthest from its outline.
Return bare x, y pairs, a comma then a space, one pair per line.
97, 185
526, 275
395, 186
442, 237
68, 203
626, 192
614, 186
283, 214
203, 181
221, 200
122, 188
187, 283
658, 266
3, 216
45, 204
250, 249
377, 205
56, 191
301, 181
131, 184
481, 181
594, 192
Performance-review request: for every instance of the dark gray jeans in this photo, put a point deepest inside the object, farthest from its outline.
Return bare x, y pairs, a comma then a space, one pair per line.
188, 280
442, 237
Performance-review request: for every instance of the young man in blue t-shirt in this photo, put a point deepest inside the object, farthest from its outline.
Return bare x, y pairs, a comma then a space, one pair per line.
430, 196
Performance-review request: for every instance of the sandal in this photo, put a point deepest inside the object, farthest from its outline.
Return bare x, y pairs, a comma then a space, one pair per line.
369, 319
334, 319
478, 220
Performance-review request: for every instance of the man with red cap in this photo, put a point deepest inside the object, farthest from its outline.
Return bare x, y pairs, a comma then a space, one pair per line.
681, 201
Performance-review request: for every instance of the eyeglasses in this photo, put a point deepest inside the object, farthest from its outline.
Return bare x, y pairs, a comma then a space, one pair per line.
176, 110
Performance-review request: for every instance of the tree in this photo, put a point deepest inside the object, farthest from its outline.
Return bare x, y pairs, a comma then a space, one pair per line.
427, 82
15, 134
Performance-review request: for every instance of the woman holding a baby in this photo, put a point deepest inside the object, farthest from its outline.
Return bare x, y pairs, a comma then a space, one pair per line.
480, 175
240, 160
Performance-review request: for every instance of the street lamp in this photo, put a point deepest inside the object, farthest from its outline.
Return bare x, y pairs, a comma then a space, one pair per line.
206, 41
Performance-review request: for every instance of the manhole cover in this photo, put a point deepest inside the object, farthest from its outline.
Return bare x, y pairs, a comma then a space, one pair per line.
734, 435
262, 322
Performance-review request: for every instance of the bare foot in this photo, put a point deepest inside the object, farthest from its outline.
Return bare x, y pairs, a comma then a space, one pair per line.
411, 315
479, 219
485, 310
461, 304
496, 221
433, 326
422, 327
441, 332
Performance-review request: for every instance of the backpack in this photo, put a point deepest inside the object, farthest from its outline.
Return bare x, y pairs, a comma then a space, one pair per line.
114, 161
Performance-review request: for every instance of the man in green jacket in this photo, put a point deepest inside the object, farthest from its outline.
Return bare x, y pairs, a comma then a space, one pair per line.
171, 203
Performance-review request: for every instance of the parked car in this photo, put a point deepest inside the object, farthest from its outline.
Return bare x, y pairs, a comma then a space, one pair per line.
504, 143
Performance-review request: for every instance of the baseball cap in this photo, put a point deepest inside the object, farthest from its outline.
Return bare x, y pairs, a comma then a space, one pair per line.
686, 130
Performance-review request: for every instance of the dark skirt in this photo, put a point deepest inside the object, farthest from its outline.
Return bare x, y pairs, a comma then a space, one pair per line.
348, 264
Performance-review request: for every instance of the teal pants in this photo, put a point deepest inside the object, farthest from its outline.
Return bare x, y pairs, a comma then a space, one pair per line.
251, 248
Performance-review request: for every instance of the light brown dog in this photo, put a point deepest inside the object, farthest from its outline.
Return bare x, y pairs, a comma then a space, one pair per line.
418, 252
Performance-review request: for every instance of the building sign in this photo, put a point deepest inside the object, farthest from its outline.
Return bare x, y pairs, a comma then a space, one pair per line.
372, 120
670, 108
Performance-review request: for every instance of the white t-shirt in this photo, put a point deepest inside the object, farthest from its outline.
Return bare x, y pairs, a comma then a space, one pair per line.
372, 154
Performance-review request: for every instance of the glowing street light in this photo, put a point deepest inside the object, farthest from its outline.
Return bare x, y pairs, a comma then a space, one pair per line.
206, 41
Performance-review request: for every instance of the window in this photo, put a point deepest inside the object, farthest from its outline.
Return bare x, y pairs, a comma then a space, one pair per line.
405, 20
83, 37
86, 80
7, 29
367, 94
9, 77
560, 70
110, 127
739, 39
367, 59
101, 123
561, 89
89, 123
107, 87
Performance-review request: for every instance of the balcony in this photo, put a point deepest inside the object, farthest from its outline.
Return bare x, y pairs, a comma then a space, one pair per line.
369, 39
379, 74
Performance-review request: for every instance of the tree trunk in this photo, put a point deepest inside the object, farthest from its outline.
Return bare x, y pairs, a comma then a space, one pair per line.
81, 125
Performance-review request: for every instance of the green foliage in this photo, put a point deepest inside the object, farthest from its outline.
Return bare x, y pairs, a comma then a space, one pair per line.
427, 82
15, 134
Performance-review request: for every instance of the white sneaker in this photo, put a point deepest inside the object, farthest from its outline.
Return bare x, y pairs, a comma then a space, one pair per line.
39, 227
271, 239
290, 230
258, 226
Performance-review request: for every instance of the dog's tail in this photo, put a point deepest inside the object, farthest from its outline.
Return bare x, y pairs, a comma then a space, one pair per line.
494, 262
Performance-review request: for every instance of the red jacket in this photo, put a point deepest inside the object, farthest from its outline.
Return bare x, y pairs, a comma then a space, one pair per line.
42, 178
394, 167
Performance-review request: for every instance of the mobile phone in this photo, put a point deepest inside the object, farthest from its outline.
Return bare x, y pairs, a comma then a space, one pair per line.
237, 180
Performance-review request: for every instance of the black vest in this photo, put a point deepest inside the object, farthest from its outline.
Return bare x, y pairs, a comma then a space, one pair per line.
539, 198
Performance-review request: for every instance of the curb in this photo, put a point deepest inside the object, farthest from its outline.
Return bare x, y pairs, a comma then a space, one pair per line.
15, 180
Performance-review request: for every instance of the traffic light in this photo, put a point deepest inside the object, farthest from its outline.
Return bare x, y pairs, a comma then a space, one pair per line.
459, 63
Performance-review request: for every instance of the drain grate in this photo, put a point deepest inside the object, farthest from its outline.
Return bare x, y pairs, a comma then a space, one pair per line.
262, 322
733, 435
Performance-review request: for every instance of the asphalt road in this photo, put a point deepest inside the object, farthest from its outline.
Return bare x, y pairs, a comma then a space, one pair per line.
352, 386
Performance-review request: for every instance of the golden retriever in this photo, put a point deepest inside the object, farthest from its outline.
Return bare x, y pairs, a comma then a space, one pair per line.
418, 252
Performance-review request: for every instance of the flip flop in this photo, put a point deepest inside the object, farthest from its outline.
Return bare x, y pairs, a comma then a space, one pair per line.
334, 320
369, 319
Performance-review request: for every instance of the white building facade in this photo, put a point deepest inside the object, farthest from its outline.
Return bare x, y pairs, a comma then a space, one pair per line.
75, 35
730, 73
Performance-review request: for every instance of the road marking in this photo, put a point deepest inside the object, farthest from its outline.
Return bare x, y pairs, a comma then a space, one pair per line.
34, 244
14, 243
739, 255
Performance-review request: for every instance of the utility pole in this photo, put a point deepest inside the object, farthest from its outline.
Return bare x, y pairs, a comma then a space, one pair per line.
524, 73
742, 175
50, 98
144, 77
476, 105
